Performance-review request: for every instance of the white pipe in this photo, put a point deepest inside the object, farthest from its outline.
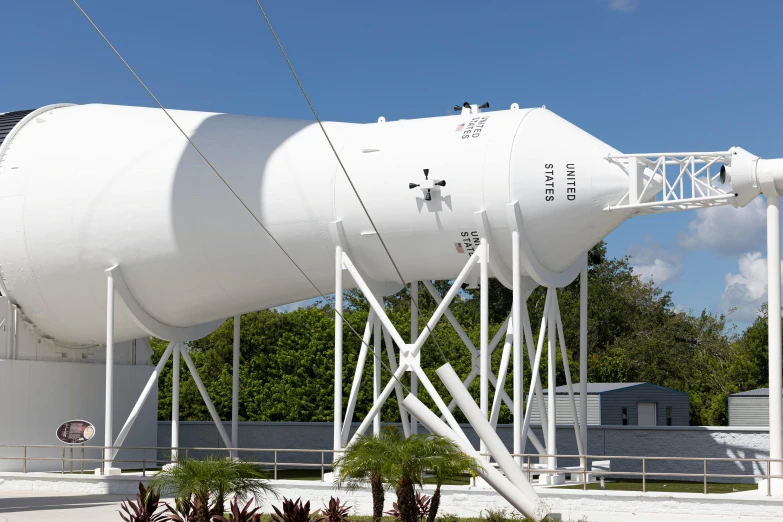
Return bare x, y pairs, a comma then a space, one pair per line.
235, 388
109, 406
436, 398
583, 357
484, 334
450, 316
498, 336
175, 402
338, 349
15, 332
485, 432
8, 349
528, 507
501, 380
567, 370
151, 382
205, 396
377, 405
535, 375
551, 441
414, 335
531, 354
406, 427
516, 322
467, 382
774, 335
447, 299
376, 373
374, 304
357, 378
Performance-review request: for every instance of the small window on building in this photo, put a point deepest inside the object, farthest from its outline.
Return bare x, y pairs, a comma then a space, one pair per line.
625, 416
668, 415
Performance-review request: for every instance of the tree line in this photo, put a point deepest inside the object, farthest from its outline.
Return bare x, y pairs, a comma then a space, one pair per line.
635, 334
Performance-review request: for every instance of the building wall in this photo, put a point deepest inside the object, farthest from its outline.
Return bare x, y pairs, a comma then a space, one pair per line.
37, 396
660, 441
612, 404
748, 411
563, 409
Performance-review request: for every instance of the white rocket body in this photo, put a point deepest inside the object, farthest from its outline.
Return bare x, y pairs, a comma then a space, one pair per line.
84, 188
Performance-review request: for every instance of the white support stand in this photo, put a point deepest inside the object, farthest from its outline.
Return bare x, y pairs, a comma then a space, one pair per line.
775, 345
583, 359
235, 389
484, 334
108, 417
414, 335
175, 403
338, 351
376, 373
177, 337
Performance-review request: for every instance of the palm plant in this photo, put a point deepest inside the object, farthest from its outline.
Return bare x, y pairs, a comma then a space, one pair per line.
208, 481
362, 462
446, 462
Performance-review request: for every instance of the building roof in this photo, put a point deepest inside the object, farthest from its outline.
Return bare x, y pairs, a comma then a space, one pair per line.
597, 388
758, 392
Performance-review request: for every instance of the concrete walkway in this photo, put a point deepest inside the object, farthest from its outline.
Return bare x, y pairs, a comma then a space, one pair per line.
25, 506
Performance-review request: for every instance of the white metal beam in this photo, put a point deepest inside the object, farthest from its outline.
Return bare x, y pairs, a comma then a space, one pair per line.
205, 395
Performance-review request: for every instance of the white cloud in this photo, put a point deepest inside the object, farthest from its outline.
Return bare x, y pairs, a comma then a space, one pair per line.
727, 230
747, 289
626, 6
654, 262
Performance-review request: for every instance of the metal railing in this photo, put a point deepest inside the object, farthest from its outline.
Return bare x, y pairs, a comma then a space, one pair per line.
65, 456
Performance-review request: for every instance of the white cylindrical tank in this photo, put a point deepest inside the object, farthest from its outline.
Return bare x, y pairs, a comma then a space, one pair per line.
87, 187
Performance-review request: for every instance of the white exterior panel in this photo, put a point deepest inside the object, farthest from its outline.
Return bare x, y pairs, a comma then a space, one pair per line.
83, 188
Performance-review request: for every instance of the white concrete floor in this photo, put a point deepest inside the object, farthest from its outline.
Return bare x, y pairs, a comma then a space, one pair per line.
25, 506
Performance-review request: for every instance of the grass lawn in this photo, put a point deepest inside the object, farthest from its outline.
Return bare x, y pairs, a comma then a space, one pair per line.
670, 486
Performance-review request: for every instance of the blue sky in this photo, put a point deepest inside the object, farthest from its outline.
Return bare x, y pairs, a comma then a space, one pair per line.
641, 75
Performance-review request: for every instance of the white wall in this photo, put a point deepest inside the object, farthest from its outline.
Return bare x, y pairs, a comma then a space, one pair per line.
37, 396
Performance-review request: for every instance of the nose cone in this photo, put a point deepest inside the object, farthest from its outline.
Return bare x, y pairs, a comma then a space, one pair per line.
562, 180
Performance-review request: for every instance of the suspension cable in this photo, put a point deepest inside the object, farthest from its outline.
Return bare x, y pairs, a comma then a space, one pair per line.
345, 172
225, 182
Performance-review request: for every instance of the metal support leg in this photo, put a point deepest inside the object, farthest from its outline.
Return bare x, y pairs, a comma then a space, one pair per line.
142, 398
205, 395
338, 350
175, 402
484, 334
774, 336
108, 417
583, 359
414, 335
235, 388
357, 378
551, 443
516, 322
376, 374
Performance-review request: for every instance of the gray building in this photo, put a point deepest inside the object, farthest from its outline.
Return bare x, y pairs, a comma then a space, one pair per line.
632, 404
749, 408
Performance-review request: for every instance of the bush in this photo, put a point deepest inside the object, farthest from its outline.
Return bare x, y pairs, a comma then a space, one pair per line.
144, 508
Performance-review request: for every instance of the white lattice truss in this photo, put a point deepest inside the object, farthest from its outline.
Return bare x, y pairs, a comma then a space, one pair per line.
668, 181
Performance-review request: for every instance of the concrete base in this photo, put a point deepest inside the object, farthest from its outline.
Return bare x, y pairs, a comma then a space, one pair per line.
462, 501
108, 472
551, 479
776, 489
